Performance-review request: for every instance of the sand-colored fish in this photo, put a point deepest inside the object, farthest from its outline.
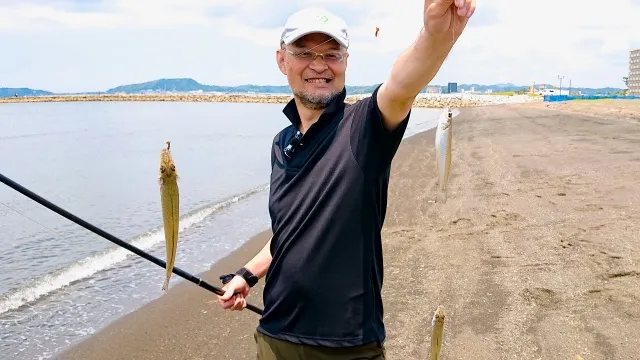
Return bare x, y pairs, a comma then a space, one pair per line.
437, 332
170, 201
443, 153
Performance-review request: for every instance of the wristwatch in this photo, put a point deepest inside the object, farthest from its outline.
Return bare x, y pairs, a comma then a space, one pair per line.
247, 276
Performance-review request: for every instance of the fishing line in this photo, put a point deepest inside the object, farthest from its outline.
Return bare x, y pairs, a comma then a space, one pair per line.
35, 221
49, 205
453, 40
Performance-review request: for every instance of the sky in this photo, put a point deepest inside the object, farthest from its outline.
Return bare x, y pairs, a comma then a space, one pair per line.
94, 45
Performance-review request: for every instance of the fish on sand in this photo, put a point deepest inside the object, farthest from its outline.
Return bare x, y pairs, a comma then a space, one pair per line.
169, 198
437, 333
443, 152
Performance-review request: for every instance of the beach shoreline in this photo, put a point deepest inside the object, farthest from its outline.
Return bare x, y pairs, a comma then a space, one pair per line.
534, 249
180, 303
423, 101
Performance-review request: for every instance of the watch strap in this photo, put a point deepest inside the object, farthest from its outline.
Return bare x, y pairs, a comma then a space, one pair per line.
247, 276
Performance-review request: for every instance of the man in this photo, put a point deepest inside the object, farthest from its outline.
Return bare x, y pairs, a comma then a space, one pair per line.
327, 201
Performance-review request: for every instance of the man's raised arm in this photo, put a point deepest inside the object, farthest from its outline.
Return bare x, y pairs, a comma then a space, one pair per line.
444, 21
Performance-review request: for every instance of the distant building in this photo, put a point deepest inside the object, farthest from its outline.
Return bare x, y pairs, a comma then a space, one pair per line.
433, 90
553, 92
452, 88
634, 72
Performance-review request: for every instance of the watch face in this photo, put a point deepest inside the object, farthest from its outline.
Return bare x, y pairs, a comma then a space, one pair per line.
252, 280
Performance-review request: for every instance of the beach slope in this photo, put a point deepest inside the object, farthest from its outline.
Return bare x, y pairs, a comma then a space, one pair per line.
534, 256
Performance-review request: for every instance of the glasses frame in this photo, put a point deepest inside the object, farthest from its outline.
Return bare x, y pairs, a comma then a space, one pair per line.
314, 56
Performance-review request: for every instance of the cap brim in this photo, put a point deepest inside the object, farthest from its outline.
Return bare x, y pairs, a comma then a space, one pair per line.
316, 31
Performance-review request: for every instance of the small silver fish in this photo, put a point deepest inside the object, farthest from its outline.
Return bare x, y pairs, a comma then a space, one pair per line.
443, 153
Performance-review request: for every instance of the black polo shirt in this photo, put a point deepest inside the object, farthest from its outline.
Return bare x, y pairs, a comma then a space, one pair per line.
327, 204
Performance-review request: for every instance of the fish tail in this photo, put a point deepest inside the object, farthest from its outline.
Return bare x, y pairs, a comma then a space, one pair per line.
441, 197
170, 215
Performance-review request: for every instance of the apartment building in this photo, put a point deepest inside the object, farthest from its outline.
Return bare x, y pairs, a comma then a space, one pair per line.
634, 72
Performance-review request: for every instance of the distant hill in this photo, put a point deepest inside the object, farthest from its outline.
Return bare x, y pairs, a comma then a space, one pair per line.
185, 85
190, 85
10, 92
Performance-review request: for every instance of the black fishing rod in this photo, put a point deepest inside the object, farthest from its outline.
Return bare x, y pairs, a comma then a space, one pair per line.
183, 274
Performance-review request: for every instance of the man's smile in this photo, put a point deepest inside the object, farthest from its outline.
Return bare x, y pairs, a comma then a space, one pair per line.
318, 80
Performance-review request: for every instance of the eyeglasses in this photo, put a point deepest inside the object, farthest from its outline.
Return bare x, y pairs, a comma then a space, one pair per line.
333, 57
293, 144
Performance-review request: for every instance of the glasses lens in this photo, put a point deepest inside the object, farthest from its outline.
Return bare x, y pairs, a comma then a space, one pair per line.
331, 57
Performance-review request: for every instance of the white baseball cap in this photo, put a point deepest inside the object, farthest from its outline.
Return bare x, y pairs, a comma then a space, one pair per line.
315, 20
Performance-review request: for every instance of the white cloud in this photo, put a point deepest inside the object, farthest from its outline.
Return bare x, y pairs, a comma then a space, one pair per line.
506, 40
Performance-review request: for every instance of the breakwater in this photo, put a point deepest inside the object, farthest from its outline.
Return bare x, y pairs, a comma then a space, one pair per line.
423, 100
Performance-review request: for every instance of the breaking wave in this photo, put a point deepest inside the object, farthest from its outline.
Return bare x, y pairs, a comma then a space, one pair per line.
108, 258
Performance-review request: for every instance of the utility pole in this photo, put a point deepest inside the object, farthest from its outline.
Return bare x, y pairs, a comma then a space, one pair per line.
569, 86
560, 78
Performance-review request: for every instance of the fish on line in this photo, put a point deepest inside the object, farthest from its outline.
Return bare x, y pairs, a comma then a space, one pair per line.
443, 141
170, 205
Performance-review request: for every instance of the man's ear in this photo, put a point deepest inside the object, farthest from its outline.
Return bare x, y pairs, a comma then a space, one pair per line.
280, 60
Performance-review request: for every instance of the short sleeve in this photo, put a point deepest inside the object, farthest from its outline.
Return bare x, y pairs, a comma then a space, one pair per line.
373, 146
275, 150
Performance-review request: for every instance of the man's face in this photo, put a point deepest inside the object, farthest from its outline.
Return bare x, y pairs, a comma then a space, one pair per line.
314, 82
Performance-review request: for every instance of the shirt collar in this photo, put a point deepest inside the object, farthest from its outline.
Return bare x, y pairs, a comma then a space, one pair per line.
291, 111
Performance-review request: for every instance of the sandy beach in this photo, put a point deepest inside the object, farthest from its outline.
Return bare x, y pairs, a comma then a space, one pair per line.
620, 108
424, 100
535, 255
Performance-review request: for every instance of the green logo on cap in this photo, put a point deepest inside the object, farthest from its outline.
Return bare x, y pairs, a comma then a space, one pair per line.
323, 18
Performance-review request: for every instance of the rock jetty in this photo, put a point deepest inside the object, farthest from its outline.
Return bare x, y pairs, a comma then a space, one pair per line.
424, 100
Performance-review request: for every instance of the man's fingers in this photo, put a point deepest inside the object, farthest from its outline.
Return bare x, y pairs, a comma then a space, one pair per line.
437, 8
227, 295
228, 303
239, 303
465, 7
236, 302
228, 292
472, 7
233, 297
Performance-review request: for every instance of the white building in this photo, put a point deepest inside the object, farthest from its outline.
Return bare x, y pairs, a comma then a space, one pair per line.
634, 72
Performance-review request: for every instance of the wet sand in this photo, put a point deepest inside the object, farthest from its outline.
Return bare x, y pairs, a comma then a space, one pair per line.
535, 255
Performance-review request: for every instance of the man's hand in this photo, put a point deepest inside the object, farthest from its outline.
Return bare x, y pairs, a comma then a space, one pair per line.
240, 288
443, 17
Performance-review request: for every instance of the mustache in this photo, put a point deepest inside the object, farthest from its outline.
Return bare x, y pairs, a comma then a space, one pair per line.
311, 75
